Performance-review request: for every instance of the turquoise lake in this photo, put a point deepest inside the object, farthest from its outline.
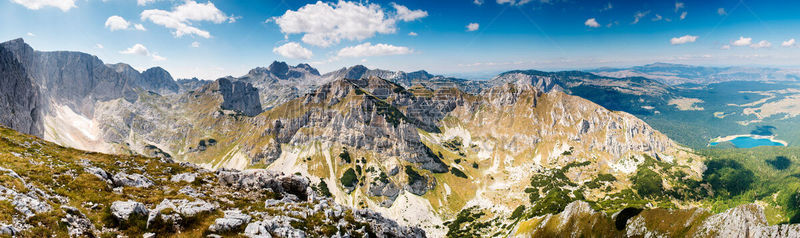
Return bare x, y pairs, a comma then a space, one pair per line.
750, 142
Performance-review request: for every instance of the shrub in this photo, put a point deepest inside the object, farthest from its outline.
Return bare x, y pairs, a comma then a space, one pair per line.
345, 156
349, 179
647, 183
457, 172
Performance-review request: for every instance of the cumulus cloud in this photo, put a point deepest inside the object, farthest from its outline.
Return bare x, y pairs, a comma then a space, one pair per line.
761, 44
99, 46
477, 2
682, 40
31, 34
721, 11
473, 26
293, 50
591, 22
325, 24
683, 15
742, 41
405, 14
139, 49
64, 5
139, 27
181, 18
726, 47
788, 43
195, 44
368, 49
412, 33
115, 22
638, 16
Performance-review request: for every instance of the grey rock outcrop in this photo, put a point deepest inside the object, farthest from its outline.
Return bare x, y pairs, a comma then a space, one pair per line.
123, 210
259, 179
185, 177
238, 96
132, 180
78, 225
20, 100
233, 220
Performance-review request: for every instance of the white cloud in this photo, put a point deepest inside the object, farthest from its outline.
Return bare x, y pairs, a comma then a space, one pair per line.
742, 41
180, 19
293, 50
31, 34
64, 5
591, 22
115, 22
157, 57
144, 2
412, 33
99, 46
721, 11
682, 40
761, 44
726, 47
683, 15
515, 2
139, 49
477, 2
195, 44
368, 49
139, 27
473, 26
403, 13
638, 16
325, 24
678, 6
657, 17
788, 43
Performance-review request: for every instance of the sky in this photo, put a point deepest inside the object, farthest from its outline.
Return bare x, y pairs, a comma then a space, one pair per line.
467, 38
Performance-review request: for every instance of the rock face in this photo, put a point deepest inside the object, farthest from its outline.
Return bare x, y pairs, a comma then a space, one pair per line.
20, 101
158, 80
238, 96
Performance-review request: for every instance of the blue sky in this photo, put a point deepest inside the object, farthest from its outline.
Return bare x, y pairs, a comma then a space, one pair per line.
210, 39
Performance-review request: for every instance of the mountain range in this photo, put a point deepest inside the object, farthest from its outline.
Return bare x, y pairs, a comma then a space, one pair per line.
526, 153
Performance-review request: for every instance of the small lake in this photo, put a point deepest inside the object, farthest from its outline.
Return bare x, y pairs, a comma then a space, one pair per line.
750, 142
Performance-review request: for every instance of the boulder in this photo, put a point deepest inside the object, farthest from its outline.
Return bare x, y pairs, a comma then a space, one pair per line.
123, 210
232, 221
131, 180
185, 177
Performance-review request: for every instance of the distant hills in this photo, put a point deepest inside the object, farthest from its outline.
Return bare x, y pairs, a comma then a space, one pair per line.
674, 74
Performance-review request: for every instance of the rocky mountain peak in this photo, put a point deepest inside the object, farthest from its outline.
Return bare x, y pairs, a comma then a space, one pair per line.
279, 68
237, 96
158, 80
308, 68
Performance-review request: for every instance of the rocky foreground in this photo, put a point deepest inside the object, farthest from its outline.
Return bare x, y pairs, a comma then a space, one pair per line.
48, 190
